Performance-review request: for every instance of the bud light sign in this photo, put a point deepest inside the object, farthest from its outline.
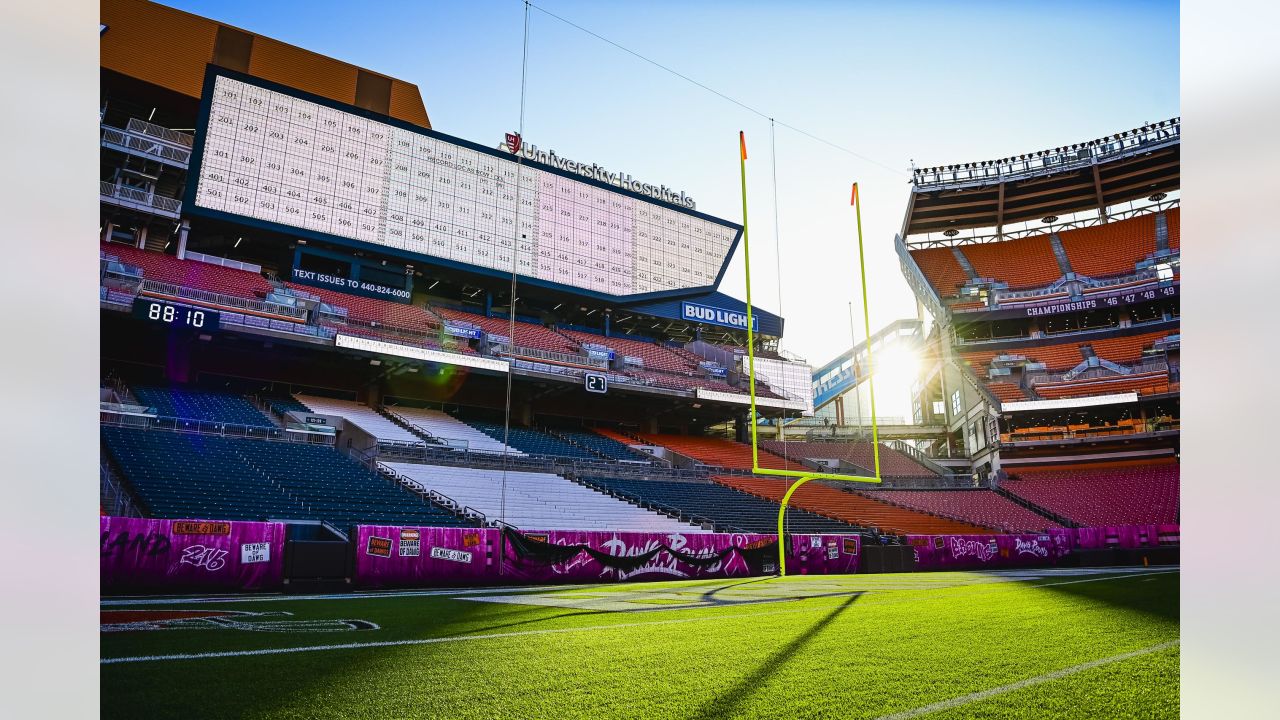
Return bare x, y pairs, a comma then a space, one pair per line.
717, 316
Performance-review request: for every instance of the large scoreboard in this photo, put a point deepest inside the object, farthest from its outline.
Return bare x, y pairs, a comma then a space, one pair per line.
294, 162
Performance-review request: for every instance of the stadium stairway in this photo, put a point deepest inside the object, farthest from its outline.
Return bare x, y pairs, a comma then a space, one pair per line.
851, 507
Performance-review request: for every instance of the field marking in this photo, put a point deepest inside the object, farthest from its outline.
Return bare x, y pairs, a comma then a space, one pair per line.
1027, 575
524, 633
1002, 689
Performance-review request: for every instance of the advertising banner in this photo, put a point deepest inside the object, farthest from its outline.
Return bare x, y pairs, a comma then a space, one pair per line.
393, 556
824, 554
139, 555
595, 556
973, 552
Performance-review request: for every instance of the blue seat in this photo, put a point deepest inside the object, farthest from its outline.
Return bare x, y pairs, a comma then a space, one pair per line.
722, 505
203, 405
178, 475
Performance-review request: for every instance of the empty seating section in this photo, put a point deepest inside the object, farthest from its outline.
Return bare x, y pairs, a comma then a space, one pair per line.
1126, 350
1111, 249
537, 501
363, 416
941, 269
604, 445
177, 475
1107, 496
736, 510
892, 462
527, 334
850, 507
373, 310
1144, 383
1023, 263
192, 273
450, 430
655, 356
688, 382
981, 507
1006, 392
201, 405
532, 442
718, 452
1173, 221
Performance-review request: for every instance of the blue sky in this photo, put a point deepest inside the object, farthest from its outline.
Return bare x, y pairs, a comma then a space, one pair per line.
931, 81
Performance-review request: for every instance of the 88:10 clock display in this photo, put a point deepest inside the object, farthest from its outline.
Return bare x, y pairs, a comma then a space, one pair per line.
175, 315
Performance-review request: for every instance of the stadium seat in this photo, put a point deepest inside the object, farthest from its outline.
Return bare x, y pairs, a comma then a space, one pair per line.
892, 462
603, 445
363, 416
850, 507
526, 334
179, 475
1134, 494
537, 501
204, 405
980, 507
654, 355
1024, 263
733, 509
941, 269
718, 452
191, 273
1114, 248
450, 430
373, 310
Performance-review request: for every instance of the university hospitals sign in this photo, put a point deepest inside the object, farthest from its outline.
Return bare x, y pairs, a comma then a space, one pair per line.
514, 144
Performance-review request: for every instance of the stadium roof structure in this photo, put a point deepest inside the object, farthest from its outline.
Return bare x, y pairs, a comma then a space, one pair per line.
169, 49
1091, 175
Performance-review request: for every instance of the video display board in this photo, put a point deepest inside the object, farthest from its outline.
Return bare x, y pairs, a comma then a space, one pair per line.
281, 159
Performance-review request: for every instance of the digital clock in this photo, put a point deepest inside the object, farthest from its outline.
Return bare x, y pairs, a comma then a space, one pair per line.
177, 315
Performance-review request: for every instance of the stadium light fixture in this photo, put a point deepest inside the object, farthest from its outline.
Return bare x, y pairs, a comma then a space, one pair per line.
802, 477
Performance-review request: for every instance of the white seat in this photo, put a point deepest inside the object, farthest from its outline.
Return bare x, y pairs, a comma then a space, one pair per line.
446, 427
537, 501
363, 416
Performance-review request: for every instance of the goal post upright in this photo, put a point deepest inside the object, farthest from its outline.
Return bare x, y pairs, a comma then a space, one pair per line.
801, 477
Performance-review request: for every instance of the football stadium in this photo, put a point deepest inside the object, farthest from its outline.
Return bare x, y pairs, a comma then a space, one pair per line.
398, 423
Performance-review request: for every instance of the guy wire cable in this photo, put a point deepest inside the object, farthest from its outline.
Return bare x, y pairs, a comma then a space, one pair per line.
515, 254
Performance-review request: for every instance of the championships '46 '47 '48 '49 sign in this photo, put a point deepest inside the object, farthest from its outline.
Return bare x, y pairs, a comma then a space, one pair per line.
284, 159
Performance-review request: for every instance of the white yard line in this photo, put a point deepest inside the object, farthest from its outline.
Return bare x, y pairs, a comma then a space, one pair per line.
524, 633
1055, 675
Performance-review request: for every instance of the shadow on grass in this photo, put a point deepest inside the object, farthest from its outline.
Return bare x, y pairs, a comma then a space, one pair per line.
728, 702
710, 595
1150, 594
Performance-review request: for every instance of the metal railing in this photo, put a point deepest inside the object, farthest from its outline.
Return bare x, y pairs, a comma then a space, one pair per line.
551, 356
117, 418
142, 127
145, 145
140, 199
214, 298
112, 495
1079, 155
1094, 373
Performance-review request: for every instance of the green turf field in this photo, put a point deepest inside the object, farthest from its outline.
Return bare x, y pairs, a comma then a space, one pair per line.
1087, 643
